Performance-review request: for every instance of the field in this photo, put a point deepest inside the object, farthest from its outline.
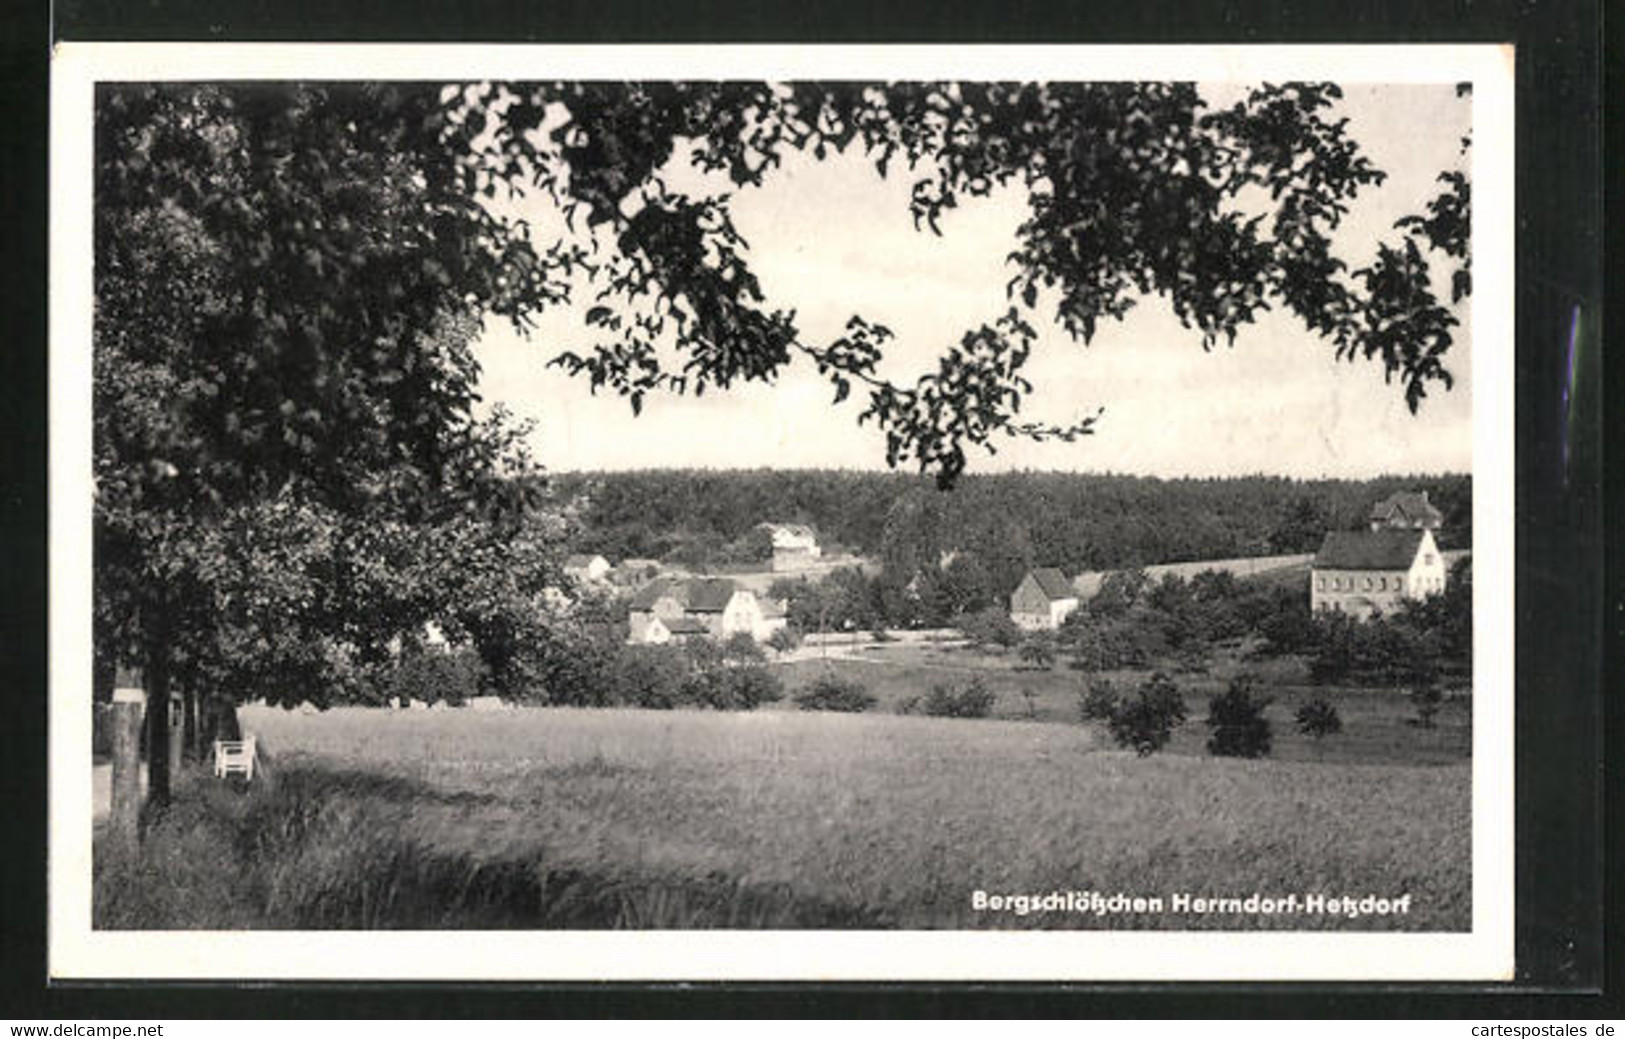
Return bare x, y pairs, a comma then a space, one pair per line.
625, 818
1378, 723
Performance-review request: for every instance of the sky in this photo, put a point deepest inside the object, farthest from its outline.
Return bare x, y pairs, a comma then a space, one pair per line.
833, 239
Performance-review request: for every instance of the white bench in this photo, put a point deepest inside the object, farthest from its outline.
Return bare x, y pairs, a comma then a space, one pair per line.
234, 756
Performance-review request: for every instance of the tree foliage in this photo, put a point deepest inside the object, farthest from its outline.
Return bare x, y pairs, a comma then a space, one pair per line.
1236, 724
1318, 719
1147, 720
1132, 191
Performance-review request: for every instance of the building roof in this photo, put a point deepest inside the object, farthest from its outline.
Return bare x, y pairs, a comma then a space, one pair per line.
580, 561
709, 594
1369, 549
685, 626
800, 530
655, 590
1408, 505
698, 595
1053, 583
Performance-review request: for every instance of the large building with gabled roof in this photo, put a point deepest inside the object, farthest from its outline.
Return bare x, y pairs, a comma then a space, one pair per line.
1043, 600
1368, 572
1406, 510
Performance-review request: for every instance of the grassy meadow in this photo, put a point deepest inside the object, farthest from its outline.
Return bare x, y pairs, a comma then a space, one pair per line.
1378, 723
538, 818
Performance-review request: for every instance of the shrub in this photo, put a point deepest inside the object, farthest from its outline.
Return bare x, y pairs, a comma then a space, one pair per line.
431, 675
703, 652
1098, 702
649, 676
1426, 698
989, 627
971, 700
833, 693
741, 648
1236, 718
1319, 719
785, 639
1147, 722
1038, 651
746, 688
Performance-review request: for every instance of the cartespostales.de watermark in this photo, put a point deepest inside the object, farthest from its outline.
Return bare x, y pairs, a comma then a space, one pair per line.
1183, 903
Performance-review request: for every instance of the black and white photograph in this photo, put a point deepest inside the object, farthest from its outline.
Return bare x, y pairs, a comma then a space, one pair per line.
971, 513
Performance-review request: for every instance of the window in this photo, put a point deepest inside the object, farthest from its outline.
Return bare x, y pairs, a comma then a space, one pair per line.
1323, 582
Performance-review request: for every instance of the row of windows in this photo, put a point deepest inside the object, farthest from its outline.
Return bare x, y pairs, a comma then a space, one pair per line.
1368, 583
1376, 583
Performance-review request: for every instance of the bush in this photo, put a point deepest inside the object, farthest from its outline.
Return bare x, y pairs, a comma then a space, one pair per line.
1236, 718
649, 676
1147, 722
741, 648
971, 700
1038, 651
989, 627
746, 688
832, 693
785, 639
430, 675
1319, 719
1426, 698
1098, 702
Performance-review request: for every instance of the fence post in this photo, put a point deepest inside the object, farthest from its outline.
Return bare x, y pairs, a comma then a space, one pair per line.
129, 702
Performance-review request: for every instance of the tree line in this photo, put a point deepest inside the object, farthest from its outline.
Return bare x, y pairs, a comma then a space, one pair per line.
1003, 523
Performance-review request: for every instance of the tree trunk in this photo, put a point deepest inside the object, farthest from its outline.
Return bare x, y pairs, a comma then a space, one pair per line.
158, 722
189, 719
124, 815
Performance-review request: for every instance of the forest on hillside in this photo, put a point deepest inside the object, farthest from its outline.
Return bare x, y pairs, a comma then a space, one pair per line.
1007, 522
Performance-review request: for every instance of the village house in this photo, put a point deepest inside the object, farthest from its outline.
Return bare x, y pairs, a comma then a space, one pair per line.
672, 609
1368, 572
1406, 510
795, 546
1043, 600
587, 568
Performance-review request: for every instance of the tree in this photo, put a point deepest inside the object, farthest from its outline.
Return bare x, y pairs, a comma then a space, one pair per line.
1147, 721
1236, 723
1131, 189
1098, 702
1302, 528
830, 692
1038, 650
1426, 697
287, 281
1318, 719
740, 649
784, 639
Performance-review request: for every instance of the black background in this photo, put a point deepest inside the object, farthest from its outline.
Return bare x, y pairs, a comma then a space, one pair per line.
1570, 620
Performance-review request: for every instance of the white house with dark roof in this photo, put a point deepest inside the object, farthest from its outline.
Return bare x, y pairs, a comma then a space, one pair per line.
1406, 510
1367, 572
1043, 600
672, 608
587, 567
795, 546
